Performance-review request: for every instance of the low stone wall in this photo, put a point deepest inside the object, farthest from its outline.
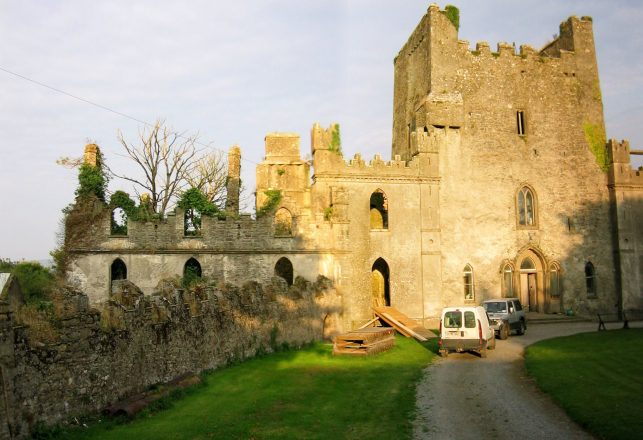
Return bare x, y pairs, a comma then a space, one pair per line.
134, 341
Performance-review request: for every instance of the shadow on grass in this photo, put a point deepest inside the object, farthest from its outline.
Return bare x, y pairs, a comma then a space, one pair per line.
306, 393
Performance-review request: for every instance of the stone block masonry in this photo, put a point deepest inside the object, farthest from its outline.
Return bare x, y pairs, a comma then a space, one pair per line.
136, 340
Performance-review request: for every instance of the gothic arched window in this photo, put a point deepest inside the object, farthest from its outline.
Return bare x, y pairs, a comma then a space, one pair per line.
467, 276
508, 281
379, 210
526, 207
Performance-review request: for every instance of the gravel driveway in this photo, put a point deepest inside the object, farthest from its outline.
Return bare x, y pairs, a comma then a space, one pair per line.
466, 397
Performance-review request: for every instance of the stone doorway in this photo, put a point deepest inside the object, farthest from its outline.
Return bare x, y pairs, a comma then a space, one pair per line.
380, 287
532, 294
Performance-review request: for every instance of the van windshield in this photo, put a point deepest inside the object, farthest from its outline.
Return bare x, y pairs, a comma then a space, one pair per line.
453, 319
496, 307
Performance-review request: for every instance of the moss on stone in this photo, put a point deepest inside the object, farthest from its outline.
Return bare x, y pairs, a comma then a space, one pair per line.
453, 14
595, 136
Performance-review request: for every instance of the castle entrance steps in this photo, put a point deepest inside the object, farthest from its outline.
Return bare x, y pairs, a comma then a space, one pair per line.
403, 324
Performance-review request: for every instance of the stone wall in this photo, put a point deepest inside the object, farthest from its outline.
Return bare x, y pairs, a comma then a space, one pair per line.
468, 102
136, 341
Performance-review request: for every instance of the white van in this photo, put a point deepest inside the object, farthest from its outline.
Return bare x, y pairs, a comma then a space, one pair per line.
465, 328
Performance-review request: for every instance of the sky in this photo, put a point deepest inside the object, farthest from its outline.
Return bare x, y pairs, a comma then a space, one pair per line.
232, 72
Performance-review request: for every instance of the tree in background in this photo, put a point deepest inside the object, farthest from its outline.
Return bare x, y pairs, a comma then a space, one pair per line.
209, 175
166, 159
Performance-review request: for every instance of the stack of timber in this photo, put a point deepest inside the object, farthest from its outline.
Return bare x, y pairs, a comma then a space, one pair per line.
365, 341
403, 324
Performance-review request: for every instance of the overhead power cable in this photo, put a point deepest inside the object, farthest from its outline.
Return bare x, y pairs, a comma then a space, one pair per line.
116, 112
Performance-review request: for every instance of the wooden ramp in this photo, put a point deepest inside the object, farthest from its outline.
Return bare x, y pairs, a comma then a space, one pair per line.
365, 341
403, 324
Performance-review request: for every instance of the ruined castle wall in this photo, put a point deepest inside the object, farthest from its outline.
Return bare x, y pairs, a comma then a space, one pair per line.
88, 367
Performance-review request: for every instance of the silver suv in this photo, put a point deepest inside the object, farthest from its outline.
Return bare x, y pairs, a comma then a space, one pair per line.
505, 315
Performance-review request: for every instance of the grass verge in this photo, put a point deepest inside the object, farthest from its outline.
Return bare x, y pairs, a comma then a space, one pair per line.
596, 378
303, 394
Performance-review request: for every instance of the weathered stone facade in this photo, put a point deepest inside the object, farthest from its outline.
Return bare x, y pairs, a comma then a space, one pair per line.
144, 340
499, 185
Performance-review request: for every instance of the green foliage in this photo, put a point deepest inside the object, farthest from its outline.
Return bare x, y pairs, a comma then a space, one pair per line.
336, 141
595, 136
328, 213
91, 181
595, 377
190, 277
120, 199
453, 14
291, 394
195, 205
36, 281
274, 198
281, 171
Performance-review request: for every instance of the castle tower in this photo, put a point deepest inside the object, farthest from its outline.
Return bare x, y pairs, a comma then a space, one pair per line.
234, 180
91, 155
283, 170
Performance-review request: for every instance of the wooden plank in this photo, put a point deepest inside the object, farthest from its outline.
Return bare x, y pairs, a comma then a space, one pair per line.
408, 327
369, 323
417, 336
392, 324
367, 349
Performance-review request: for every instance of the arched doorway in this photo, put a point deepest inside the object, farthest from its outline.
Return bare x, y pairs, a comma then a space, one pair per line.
380, 289
118, 271
284, 269
532, 294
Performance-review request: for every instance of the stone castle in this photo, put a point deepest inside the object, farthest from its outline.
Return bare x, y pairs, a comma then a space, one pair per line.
502, 183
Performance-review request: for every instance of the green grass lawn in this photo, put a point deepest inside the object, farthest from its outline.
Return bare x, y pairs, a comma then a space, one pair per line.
300, 394
596, 377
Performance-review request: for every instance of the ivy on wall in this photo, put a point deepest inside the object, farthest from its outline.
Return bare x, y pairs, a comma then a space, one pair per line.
274, 198
453, 14
335, 144
595, 136
92, 180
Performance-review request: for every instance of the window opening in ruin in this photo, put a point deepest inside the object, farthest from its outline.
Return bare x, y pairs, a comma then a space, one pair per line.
379, 210
554, 281
520, 120
590, 280
526, 207
284, 269
380, 285
508, 281
191, 222
118, 222
119, 270
468, 283
191, 271
283, 222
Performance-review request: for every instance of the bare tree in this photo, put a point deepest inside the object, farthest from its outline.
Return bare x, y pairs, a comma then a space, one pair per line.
166, 159
209, 175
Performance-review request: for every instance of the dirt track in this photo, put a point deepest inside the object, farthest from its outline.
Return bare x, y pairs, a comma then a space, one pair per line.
466, 397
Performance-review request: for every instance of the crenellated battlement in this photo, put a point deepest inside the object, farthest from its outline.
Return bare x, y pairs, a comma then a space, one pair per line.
621, 171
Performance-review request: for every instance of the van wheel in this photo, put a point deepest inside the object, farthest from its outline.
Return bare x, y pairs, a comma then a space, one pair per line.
504, 331
521, 329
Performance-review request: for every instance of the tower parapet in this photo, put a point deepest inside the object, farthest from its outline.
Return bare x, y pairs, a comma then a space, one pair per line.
234, 180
